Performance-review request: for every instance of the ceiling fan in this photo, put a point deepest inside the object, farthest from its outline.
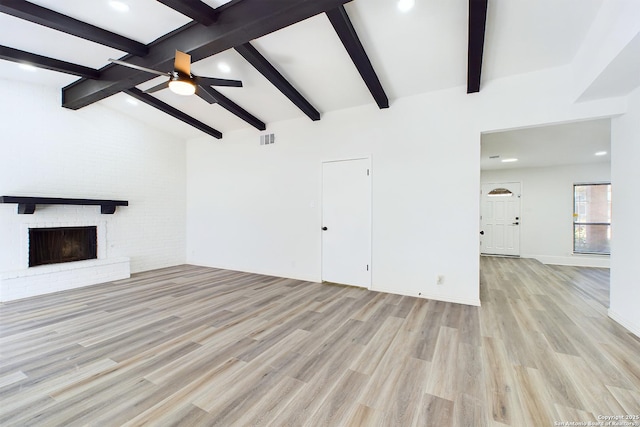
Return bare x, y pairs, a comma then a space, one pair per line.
181, 81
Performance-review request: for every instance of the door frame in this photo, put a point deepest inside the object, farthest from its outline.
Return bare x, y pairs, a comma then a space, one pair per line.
367, 157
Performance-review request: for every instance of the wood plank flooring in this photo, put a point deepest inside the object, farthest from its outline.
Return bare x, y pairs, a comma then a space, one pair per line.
197, 346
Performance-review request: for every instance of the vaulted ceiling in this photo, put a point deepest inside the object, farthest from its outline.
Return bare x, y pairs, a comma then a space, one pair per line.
296, 58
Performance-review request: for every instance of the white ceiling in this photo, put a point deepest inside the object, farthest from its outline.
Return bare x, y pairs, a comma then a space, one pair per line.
415, 52
563, 144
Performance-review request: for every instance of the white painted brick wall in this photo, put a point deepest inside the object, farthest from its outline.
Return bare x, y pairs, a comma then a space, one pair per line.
95, 152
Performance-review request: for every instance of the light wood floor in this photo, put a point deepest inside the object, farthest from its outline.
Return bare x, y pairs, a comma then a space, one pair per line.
199, 346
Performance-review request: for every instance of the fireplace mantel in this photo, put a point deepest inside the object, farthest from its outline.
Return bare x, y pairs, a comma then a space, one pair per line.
27, 205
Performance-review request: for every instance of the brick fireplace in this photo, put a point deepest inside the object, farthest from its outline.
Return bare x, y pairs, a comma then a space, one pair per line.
69, 272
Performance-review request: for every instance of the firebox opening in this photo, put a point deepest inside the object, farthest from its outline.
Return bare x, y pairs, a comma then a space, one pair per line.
62, 244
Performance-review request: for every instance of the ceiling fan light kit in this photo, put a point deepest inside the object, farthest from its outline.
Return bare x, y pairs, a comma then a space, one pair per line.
182, 85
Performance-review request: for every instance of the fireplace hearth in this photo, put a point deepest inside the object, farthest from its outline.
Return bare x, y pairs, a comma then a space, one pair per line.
62, 244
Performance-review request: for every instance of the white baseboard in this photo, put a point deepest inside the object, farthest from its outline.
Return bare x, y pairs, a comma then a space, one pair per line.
633, 328
572, 260
289, 275
433, 296
272, 273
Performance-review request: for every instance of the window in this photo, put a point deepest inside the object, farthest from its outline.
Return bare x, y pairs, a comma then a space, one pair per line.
500, 192
592, 219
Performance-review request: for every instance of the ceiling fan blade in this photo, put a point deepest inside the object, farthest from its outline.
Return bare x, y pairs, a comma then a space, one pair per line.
182, 63
212, 81
205, 95
138, 67
156, 88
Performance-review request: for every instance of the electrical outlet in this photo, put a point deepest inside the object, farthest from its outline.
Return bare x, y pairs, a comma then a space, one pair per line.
440, 280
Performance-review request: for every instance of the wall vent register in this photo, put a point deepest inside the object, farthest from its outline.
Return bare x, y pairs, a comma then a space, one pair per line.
267, 139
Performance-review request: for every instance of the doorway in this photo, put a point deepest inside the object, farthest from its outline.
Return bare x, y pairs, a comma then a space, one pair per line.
346, 222
500, 219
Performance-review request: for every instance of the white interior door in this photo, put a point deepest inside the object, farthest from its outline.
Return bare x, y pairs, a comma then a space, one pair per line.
346, 222
500, 219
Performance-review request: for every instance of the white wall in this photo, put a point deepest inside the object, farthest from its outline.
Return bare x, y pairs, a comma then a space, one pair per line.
546, 225
95, 152
625, 249
257, 208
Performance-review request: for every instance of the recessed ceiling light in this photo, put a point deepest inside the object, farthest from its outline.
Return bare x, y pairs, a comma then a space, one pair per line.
406, 5
601, 153
132, 101
224, 67
27, 67
119, 6
509, 160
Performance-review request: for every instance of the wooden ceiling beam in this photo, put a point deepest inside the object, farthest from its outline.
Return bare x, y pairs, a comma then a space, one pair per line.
212, 96
344, 28
174, 112
40, 15
264, 67
477, 25
22, 57
238, 22
200, 12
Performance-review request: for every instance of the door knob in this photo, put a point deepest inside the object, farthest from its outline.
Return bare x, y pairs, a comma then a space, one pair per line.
324, 228
516, 223
482, 233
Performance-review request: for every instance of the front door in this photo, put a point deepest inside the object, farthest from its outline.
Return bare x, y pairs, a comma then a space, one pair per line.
500, 219
346, 222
